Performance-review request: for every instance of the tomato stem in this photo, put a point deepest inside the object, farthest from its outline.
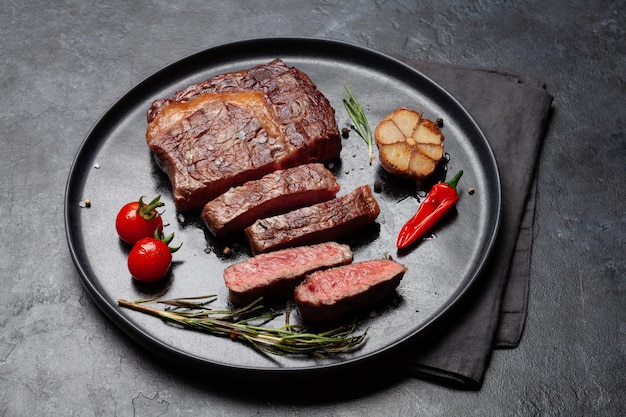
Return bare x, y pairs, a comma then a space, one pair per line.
148, 211
167, 240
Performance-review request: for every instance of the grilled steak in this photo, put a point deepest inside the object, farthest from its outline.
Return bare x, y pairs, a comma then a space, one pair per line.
275, 274
275, 193
237, 127
329, 295
329, 220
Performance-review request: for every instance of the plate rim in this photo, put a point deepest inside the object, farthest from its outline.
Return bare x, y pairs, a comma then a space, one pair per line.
165, 350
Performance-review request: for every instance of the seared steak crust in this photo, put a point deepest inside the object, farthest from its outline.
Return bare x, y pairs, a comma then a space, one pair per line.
237, 127
275, 193
329, 295
275, 274
329, 220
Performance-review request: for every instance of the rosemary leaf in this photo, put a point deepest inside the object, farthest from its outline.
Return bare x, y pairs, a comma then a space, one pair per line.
359, 120
248, 324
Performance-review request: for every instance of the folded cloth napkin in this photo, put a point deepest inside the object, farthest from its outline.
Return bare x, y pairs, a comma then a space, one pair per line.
513, 113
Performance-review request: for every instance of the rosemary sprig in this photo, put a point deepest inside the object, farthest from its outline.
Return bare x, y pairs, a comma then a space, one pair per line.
359, 120
247, 324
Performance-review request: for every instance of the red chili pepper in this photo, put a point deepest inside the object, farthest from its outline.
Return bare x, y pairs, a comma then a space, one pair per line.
438, 201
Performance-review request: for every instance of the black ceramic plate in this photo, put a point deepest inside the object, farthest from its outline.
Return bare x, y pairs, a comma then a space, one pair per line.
114, 166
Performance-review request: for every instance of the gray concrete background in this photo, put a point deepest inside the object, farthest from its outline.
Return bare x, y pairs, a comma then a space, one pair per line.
64, 63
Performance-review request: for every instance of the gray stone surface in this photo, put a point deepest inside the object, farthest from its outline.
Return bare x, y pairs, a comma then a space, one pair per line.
64, 63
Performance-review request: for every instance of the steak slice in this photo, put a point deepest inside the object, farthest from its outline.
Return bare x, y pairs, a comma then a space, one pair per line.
275, 274
329, 295
275, 193
329, 220
237, 127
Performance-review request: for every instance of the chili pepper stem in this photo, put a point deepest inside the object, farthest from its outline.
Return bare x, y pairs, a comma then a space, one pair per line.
455, 180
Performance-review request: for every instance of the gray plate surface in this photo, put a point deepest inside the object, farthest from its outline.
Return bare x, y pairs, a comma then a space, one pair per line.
441, 268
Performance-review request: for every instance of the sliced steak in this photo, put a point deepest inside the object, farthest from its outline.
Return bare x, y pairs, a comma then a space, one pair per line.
329, 220
237, 127
275, 193
275, 274
329, 295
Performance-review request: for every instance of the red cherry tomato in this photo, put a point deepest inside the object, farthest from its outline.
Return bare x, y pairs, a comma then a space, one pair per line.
137, 220
149, 260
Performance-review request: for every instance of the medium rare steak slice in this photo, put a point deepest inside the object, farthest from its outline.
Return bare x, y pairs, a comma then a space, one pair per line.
275, 274
237, 127
329, 220
329, 295
275, 193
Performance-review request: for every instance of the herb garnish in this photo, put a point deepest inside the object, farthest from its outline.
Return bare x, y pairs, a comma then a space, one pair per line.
240, 325
359, 120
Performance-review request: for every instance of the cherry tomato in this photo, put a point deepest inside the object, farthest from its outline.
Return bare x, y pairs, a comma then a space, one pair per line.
149, 259
137, 220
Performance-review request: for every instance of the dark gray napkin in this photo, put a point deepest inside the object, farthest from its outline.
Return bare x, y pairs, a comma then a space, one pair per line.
513, 113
